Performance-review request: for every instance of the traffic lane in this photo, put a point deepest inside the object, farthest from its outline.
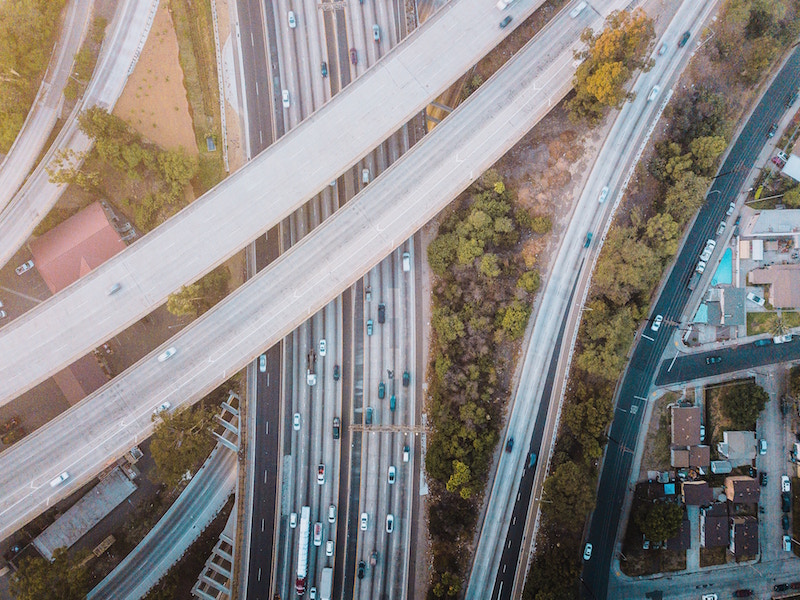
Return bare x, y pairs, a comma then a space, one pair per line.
736, 358
256, 74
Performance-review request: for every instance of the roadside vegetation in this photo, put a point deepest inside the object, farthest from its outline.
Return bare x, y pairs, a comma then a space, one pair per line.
481, 303
641, 243
195, 299
28, 31
66, 578
181, 442
86, 59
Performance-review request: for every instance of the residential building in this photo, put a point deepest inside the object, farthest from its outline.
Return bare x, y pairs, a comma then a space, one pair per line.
714, 531
741, 489
744, 537
738, 447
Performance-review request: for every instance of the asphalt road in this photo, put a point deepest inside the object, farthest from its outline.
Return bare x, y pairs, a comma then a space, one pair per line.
671, 303
268, 189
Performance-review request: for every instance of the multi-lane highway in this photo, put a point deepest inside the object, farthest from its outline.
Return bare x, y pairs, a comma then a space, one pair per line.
635, 386
314, 271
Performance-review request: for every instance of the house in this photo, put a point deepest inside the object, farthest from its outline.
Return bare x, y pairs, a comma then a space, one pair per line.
714, 532
738, 447
696, 493
686, 421
699, 456
720, 467
743, 537
741, 489
783, 282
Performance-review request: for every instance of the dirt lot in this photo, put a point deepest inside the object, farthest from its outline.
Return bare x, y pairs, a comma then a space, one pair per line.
154, 100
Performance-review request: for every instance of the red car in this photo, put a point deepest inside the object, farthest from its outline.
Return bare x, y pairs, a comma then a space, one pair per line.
742, 593
777, 161
353, 56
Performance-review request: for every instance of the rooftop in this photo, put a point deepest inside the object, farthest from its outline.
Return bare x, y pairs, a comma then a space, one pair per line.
784, 282
686, 422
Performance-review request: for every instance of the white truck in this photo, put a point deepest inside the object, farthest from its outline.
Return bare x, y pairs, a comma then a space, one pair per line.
326, 584
302, 550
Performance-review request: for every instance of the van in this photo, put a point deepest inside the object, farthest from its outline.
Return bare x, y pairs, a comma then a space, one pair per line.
60, 479
364, 175
406, 261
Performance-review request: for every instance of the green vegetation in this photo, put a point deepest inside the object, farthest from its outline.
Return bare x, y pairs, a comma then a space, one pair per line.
27, 35
608, 63
482, 302
181, 441
769, 322
86, 59
660, 521
742, 404
195, 299
197, 56
63, 579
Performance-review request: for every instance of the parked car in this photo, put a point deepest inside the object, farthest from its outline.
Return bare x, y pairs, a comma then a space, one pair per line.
24, 267
684, 39
785, 522
780, 587
721, 228
701, 266
762, 446
786, 485
762, 478
702, 432
731, 209
321, 474
709, 597
787, 543
713, 360
782, 339
778, 162
786, 502
762, 342
657, 322
587, 551
753, 298
336, 427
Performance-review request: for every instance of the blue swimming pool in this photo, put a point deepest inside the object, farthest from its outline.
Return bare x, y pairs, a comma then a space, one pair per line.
724, 274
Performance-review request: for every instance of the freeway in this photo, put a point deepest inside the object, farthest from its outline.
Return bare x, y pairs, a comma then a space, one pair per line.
317, 269
646, 355
48, 103
268, 189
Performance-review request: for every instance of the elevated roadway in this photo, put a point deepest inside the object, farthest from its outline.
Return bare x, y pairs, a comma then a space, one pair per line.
247, 204
317, 269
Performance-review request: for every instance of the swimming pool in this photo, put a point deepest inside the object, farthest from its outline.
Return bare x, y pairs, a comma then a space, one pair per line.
724, 273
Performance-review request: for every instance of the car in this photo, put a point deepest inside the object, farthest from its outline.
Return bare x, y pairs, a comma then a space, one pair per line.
684, 39
336, 427
336, 373
329, 548
587, 551
262, 363
381, 313
406, 453
731, 209
588, 240
762, 342
653, 93
392, 402
364, 521
293, 520
332, 513
713, 360
389, 523
325, 74
381, 390
312, 594
702, 432
786, 485
510, 444
369, 326
781, 339
762, 478
285, 97
721, 228
311, 378
780, 587
778, 162
362, 566
742, 593
753, 298
24, 267
406, 378
376, 32
786, 502
114, 289
701, 266
657, 322
296, 421
292, 19
406, 261
603, 195
577, 10
773, 128
364, 175
785, 522
369, 415
3, 314
505, 22
60, 479
762, 446
353, 56
662, 50
532, 460
166, 354
709, 597
321, 474
323, 347
752, 472
392, 474
162, 407
790, 99
317, 533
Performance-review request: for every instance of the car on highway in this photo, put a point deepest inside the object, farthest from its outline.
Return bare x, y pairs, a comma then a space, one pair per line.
505, 22
389, 523
753, 298
786, 502
336, 373
762, 342
369, 415
114, 289
329, 548
406, 378
603, 195
364, 521
296, 421
773, 128
317, 533
653, 93
721, 228
786, 485
362, 566
321, 474
684, 39
785, 522
285, 99
336, 427
312, 594
162, 407
376, 32
510, 444
262, 363
323, 347
166, 354
762, 446
588, 241
293, 520
731, 209
762, 478
406, 261
332, 513
392, 402
292, 19
577, 10
369, 326
364, 175
381, 390
60, 479
406, 452
713, 360
532, 460
324, 69
587, 551
662, 50
392, 474
24, 267
353, 56
657, 322
381, 313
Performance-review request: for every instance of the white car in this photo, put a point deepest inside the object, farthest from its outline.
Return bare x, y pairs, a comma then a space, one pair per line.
781, 339
312, 594
285, 97
603, 195
657, 322
701, 266
317, 533
166, 354
762, 446
389, 523
731, 209
60, 479
753, 298
709, 597
262, 363
162, 407
323, 347
721, 228
787, 543
292, 19
293, 520
406, 261
786, 485
3, 314
364, 521
653, 93
24, 267
577, 10
406, 452
321, 474
296, 421
392, 474
364, 175
332, 513
587, 551
329, 548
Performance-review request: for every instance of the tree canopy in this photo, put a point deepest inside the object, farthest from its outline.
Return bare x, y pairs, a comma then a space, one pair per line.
181, 441
742, 404
39, 579
194, 299
661, 521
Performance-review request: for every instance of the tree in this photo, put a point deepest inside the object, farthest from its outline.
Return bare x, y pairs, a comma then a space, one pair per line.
541, 224
757, 61
663, 233
760, 20
570, 489
442, 252
706, 150
742, 404
609, 337
178, 168
794, 382
587, 420
626, 267
529, 281
662, 521
490, 266
63, 579
181, 442
515, 319
460, 480
685, 196
195, 299
791, 198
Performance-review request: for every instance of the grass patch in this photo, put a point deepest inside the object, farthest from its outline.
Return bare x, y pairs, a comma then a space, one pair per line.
762, 322
86, 60
713, 556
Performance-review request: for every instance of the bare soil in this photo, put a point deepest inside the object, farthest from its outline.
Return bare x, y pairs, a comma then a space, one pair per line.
655, 458
154, 100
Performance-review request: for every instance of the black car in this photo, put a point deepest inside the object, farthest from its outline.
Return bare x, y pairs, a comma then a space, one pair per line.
362, 567
762, 478
713, 360
381, 313
505, 22
684, 39
336, 373
780, 587
752, 472
510, 444
785, 525
742, 593
786, 502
